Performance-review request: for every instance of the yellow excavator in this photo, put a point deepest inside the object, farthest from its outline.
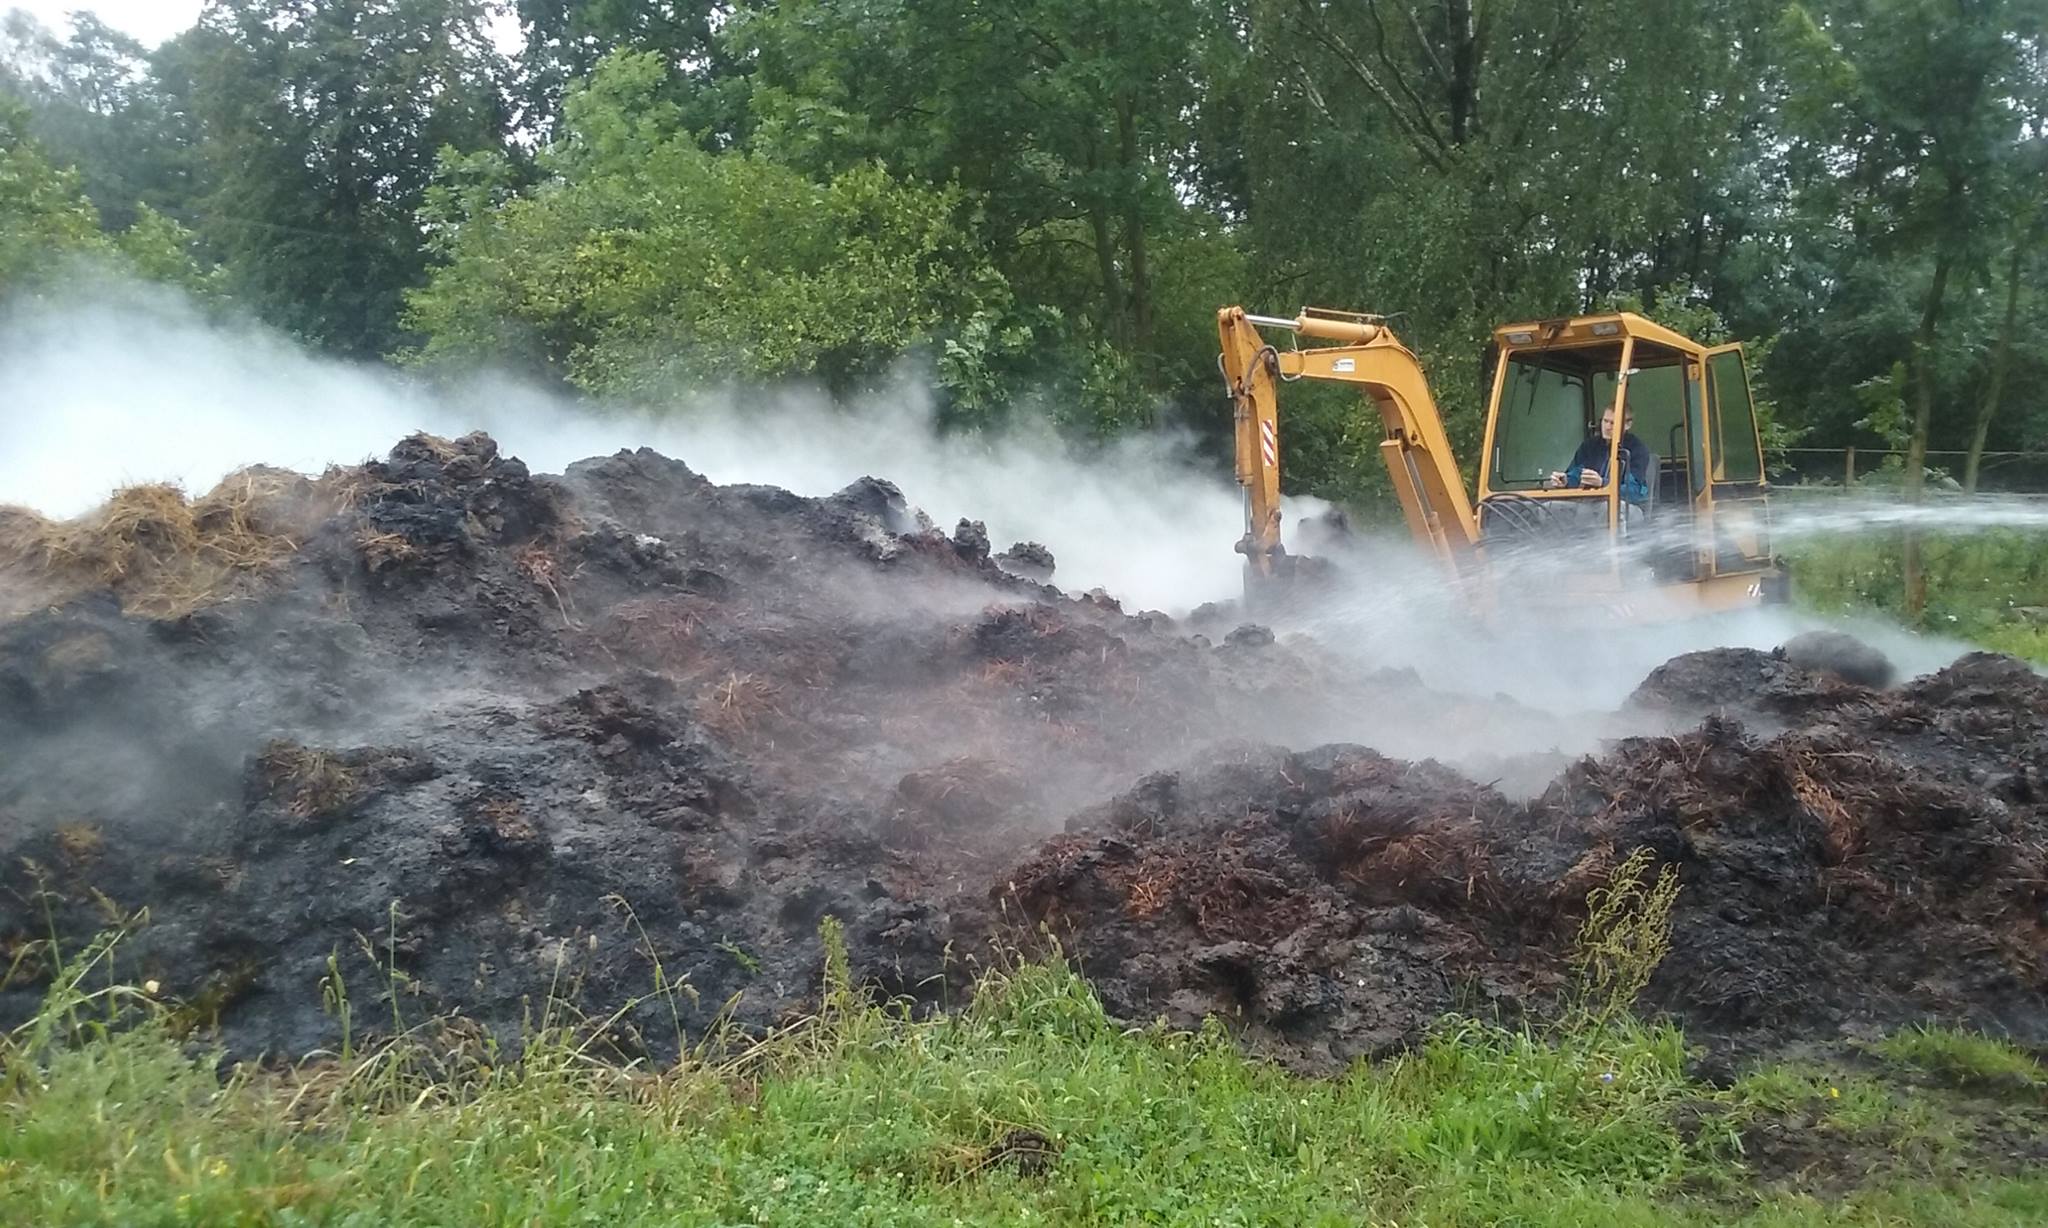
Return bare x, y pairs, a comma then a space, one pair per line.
1683, 530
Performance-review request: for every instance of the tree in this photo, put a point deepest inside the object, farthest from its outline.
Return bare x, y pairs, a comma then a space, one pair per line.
94, 105
1461, 164
1068, 126
1915, 98
1541, 155
642, 261
565, 39
1049, 198
2024, 169
47, 224
322, 121
2025, 238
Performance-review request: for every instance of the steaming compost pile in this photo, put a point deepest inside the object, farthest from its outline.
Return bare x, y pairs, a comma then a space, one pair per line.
435, 736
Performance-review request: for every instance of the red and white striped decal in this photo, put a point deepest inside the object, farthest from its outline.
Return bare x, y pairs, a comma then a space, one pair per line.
1269, 442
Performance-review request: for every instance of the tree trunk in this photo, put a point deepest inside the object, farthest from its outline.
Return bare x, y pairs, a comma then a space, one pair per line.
1916, 447
2001, 362
1134, 222
1113, 316
1464, 91
1105, 262
1599, 279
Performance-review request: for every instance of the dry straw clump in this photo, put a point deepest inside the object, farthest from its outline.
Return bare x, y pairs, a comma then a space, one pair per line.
162, 554
737, 705
310, 783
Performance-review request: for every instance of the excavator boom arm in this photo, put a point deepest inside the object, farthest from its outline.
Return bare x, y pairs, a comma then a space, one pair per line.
1251, 369
1416, 450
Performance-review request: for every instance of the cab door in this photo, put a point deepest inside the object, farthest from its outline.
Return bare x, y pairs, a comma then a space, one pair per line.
1738, 520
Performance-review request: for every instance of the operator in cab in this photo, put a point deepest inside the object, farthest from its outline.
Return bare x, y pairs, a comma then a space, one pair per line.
1588, 470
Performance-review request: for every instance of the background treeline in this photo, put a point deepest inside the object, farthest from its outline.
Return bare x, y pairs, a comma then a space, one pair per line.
1040, 203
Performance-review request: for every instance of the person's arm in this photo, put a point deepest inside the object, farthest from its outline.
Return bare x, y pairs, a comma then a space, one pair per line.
1635, 483
1583, 459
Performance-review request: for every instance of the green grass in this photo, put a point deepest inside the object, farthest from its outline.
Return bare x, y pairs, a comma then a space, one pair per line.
863, 1117
2028, 641
1976, 583
1852, 1108
1963, 1058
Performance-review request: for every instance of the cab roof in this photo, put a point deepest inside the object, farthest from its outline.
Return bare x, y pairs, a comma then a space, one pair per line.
1580, 330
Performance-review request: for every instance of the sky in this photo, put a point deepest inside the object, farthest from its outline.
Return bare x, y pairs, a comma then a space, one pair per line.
152, 21
148, 21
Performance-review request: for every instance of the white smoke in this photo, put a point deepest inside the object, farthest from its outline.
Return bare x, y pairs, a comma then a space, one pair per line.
1545, 628
1942, 513
97, 396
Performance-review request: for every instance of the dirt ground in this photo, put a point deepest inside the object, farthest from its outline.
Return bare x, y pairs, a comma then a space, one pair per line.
448, 737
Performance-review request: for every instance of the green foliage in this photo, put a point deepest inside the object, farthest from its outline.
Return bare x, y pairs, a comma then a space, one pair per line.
643, 262
47, 224
42, 211
1042, 203
95, 106
1068, 128
972, 363
1050, 111
1984, 585
320, 121
1963, 1057
1626, 934
1883, 398
563, 40
1904, 142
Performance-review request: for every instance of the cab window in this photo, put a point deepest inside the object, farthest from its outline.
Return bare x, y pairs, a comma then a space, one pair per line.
1736, 457
1547, 408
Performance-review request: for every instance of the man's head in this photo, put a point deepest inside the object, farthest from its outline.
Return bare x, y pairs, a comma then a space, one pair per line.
1607, 422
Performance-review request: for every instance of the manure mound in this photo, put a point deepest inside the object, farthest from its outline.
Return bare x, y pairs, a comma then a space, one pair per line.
468, 737
1883, 860
484, 736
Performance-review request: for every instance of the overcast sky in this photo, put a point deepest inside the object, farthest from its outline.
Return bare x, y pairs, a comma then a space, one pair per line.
152, 21
148, 21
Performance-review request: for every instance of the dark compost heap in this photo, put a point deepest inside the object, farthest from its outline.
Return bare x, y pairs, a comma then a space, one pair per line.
473, 739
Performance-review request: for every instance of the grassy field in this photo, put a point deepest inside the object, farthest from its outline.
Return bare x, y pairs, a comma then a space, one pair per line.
1030, 1106
1981, 586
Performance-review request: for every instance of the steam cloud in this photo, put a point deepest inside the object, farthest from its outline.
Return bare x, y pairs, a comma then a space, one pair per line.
101, 395
139, 386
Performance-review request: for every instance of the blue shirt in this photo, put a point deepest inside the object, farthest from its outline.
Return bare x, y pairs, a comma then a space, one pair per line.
1635, 462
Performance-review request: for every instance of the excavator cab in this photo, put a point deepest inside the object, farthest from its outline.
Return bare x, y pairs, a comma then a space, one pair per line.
1674, 519
1683, 499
